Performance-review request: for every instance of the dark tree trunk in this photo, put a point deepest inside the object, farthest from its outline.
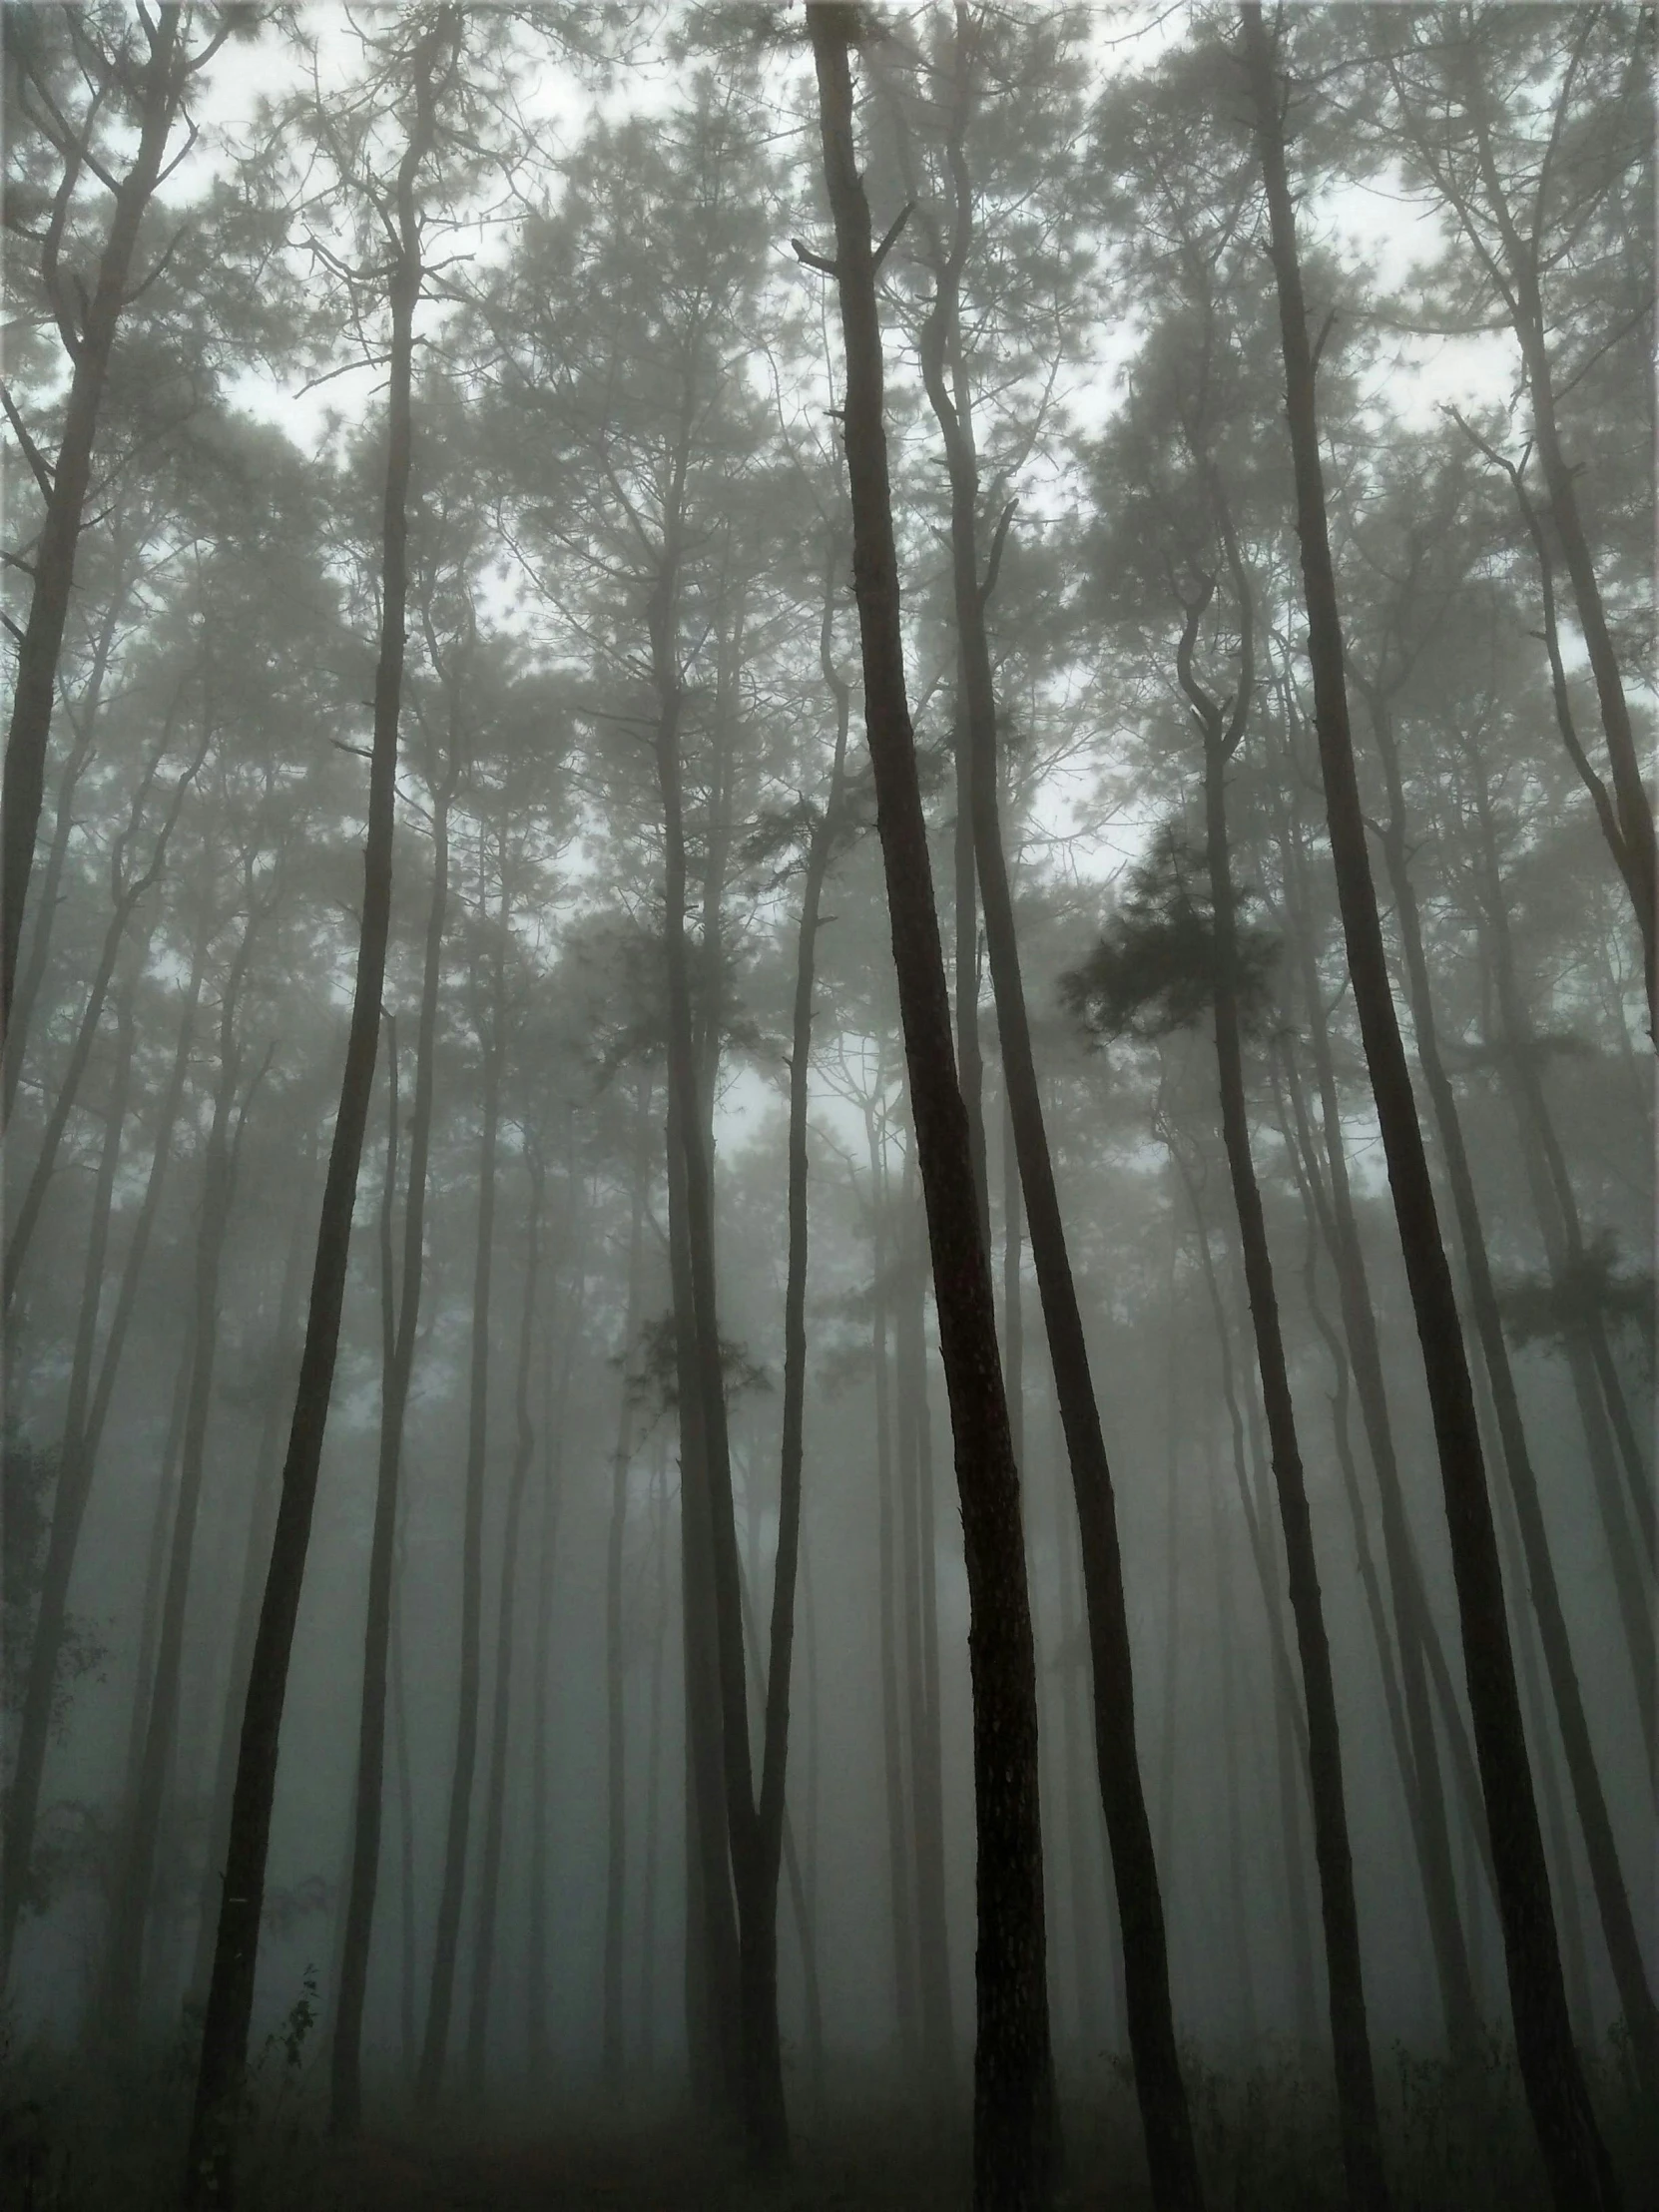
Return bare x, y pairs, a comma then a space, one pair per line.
1580, 2172
495, 1793
1227, 1655
83, 1429
262, 1519
446, 1941
1015, 2139
1164, 2112
400, 1317
1589, 1795
616, 1828
118, 2005
1404, 1683
906, 2000
126, 891
555, 1406
1333, 1852
210, 2167
913, 1436
157, 91
83, 726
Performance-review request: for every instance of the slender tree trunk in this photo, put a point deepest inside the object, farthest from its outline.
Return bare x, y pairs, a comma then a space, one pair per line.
1333, 1852
555, 1407
1164, 2112
495, 1799
1172, 1589
1227, 1655
157, 88
653, 1783
83, 1430
155, 1582
210, 2167
616, 1830
922, 1648
446, 1941
1580, 2172
255, 1553
1589, 1793
400, 1320
1015, 2132
1406, 1684
120, 1992
84, 729
405, 1834
906, 2000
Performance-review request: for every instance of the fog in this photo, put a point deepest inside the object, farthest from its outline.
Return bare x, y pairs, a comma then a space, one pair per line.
828, 898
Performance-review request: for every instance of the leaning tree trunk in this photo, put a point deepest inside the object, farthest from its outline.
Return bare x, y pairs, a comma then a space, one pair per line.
262, 1518
1333, 1852
130, 1908
446, 1941
83, 1430
496, 1792
1580, 2171
158, 89
1589, 1795
1016, 2135
770, 1837
1165, 2116
611, 2051
400, 1317
210, 2168
905, 1998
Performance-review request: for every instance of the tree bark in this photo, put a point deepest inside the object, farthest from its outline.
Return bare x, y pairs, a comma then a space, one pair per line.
400, 1319
1015, 2132
1165, 2116
495, 1799
209, 2166
1333, 1852
616, 1826
447, 1943
120, 1992
1575, 2156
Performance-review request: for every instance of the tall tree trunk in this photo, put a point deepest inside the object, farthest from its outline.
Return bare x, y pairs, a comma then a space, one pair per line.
1350, 2032
446, 1941
1589, 1795
209, 2166
255, 1553
922, 1650
1164, 2112
1015, 2125
157, 88
769, 1844
616, 1828
1406, 1684
555, 1407
83, 723
1228, 1656
653, 1781
87, 1407
155, 1582
906, 2003
495, 1797
400, 1297
1575, 2156
119, 1997
1555, 1202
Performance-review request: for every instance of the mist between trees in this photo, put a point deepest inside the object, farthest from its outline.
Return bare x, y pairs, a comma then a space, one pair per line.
827, 974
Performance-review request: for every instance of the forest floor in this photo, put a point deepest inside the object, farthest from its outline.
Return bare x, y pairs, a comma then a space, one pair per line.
80, 2136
